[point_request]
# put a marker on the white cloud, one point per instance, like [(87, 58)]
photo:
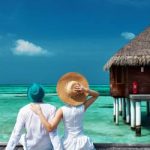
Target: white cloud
[(29, 49), (128, 35)]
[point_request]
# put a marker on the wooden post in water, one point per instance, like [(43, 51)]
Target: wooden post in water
[(127, 111), (114, 111), (124, 109), (117, 111), (148, 108), (132, 115), (120, 106), (138, 118)]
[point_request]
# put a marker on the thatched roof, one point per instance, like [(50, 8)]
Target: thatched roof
[(135, 53)]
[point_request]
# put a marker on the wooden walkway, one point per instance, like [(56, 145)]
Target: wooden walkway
[(102, 146), (130, 110)]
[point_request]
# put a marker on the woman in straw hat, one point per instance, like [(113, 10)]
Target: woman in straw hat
[(73, 90)]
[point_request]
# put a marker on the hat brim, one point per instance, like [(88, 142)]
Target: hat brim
[(62, 93)]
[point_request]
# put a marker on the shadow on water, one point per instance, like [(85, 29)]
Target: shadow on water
[(117, 135), (145, 121), (105, 106)]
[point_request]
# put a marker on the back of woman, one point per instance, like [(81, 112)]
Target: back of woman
[(73, 120), (74, 138)]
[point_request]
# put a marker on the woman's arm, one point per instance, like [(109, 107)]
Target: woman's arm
[(79, 88), (48, 125), (94, 95)]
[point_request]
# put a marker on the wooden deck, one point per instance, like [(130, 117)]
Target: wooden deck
[(139, 97), (102, 146)]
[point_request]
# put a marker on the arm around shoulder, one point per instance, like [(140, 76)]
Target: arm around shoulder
[(49, 125), (55, 121)]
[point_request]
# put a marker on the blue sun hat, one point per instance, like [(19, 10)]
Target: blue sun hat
[(36, 93)]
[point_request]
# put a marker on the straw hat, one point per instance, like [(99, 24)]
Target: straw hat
[(36, 93), (65, 89)]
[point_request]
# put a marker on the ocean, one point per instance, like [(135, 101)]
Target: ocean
[(98, 121)]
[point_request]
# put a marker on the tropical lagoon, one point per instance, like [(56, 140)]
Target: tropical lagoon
[(98, 121)]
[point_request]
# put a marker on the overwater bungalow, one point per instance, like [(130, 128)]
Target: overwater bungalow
[(130, 79), (131, 64)]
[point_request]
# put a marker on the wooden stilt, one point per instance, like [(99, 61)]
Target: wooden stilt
[(127, 111), (132, 115), (120, 106), (124, 109), (117, 111), (138, 118), (114, 111), (148, 108)]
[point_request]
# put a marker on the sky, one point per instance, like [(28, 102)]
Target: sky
[(40, 40)]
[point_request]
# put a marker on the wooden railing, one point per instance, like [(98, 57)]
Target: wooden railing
[(123, 90), (102, 146)]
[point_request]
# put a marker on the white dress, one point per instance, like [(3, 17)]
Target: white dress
[(74, 138)]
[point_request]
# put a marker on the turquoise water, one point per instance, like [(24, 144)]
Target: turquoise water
[(98, 121)]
